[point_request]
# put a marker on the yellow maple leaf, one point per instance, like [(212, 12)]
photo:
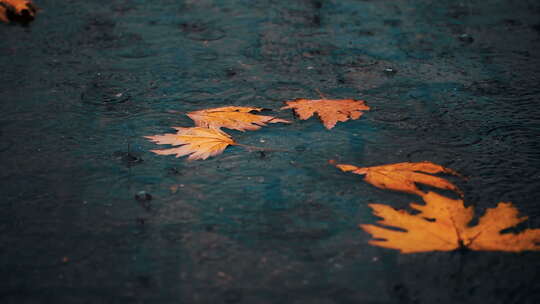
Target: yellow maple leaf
[(442, 225), (237, 118), (404, 176), (330, 110), (22, 11), (197, 142)]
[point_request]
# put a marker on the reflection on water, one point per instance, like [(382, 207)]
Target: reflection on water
[(453, 83)]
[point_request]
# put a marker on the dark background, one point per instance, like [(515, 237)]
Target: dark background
[(452, 82)]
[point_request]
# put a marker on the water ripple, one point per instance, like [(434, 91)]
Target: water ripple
[(202, 31)]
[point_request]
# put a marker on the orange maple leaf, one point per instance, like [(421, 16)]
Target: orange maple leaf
[(22, 11), (442, 225), (198, 143), (404, 176), (237, 118), (330, 110)]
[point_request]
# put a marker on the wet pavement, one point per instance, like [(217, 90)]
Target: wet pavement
[(89, 215)]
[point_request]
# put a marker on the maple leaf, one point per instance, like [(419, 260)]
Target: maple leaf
[(23, 11), (237, 118), (442, 225), (404, 176), (197, 142), (330, 110)]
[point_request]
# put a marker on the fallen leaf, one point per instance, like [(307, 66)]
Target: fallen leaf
[(404, 176), (237, 118), (22, 11), (197, 142), (442, 225), (330, 110), (3, 13)]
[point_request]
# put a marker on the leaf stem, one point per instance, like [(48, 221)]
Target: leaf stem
[(320, 94)]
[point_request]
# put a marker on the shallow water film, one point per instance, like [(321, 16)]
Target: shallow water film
[(89, 215)]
